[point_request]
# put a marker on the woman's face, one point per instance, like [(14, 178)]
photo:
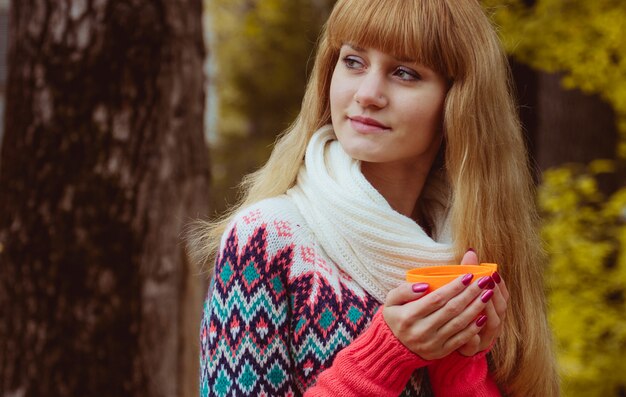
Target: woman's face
[(386, 110)]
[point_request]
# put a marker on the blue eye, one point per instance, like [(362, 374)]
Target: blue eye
[(407, 74)]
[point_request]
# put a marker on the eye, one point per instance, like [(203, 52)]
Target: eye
[(407, 74), (353, 62)]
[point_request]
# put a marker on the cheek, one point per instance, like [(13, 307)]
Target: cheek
[(332, 92), (439, 100), (340, 92), (332, 97), (430, 115)]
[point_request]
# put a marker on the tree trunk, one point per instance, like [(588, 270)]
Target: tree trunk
[(572, 126), (103, 163), (565, 126)]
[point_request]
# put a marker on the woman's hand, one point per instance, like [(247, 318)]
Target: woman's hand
[(441, 322), (495, 312)]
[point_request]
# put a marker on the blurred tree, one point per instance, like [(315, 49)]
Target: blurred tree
[(262, 48), (585, 235), (583, 41), (583, 45), (103, 162)]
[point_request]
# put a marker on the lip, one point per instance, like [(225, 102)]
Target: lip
[(366, 124)]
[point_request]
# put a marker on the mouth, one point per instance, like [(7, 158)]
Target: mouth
[(366, 124)]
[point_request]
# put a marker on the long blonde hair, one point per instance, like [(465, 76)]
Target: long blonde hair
[(485, 159)]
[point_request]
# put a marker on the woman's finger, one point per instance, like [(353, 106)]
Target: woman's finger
[(488, 334), (491, 329), (406, 292), (460, 303), (441, 297), (470, 258), (501, 285), (470, 312), (468, 336), (500, 297)]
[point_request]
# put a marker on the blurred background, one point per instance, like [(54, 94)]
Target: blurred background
[(122, 121)]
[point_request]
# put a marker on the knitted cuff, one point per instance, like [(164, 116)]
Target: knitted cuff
[(458, 375), (455, 364), (381, 357)]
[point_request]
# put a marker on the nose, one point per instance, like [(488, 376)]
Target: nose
[(370, 91)]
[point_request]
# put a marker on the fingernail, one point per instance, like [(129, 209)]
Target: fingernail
[(484, 281), (486, 295), (472, 250), (496, 277), (419, 287), (491, 285), (467, 279), (481, 320)]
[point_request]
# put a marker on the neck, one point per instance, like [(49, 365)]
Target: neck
[(400, 185)]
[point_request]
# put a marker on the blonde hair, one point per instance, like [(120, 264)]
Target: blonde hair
[(485, 159)]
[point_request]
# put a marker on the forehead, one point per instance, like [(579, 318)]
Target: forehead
[(398, 58), (409, 30)]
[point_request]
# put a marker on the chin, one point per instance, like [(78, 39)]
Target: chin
[(365, 156)]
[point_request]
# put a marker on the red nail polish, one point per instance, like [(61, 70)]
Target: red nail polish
[(486, 295), (491, 285), (467, 279), (472, 250), (481, 320), (484, 281), (420, 287), (496, 277)]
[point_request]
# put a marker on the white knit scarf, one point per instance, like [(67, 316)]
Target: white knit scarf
[(356, 226)]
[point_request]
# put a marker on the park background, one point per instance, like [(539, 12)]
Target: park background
[(124, 120)]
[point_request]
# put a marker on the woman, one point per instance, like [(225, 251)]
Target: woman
[(406, 152)]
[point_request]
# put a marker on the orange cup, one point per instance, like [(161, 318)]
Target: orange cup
[(438, 276)]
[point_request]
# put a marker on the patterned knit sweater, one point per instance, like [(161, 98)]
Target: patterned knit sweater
[(279, 311)]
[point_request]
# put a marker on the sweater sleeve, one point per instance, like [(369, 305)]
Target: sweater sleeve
[(378, 364), (460, 376), (374, 364), (245, 325)]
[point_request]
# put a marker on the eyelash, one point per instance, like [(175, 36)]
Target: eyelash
[(350, 61), (413, 75)]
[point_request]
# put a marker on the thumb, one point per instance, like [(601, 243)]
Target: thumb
[(470, 258)]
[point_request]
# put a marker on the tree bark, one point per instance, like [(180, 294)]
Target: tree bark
[(103, 163), (572, 126), (564, 126)]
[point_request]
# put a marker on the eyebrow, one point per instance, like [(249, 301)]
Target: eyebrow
[(360, 49)]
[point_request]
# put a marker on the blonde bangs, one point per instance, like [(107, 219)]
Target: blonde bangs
[(416, 30)]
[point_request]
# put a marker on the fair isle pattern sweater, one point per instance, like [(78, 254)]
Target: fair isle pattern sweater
[(279, 311)]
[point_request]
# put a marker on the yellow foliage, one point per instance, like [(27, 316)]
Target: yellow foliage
[(585, 236), (586, 40), (584, 231), (260, 50)]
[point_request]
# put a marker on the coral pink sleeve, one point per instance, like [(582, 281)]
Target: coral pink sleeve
[(460, 376), (374, 364), (378, 364)]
